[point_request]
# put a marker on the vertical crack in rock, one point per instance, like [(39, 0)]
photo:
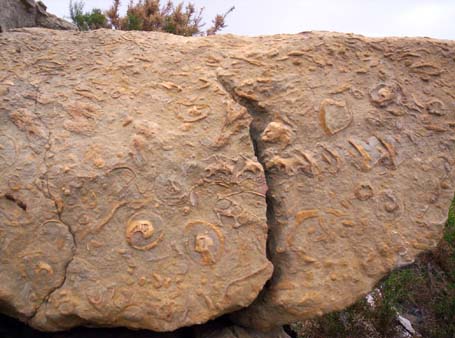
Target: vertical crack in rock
[(330, 237), (47, 194), (46, 299), (261, 118)]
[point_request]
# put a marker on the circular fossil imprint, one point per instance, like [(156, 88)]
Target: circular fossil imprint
[(205, 242), (142, 231), (436, 107), (389, 205), (335, 116), (364, 192), (384, 94)]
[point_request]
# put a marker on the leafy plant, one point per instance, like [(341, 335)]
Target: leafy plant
[(450, 231), (88, 20), (150, 15), (76, 10)]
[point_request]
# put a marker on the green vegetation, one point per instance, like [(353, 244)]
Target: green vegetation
[(450, 231), (423, 293), (148, 15), (88, 20)]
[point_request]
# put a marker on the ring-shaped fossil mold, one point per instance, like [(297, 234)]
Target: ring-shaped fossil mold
[(364, 192), (143, 231), (389, 205), (335, 116), (204, 242), (386, 93), (436, 107)]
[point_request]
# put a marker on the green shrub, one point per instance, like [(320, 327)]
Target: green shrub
[(132, 23), (148, 15), (449, 235), (88, 20)]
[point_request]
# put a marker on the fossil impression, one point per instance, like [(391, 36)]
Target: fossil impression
[(151, 180)]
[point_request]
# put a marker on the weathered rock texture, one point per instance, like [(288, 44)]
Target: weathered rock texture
[(357, 137), (28, 13), (121, 148), (132, 195)]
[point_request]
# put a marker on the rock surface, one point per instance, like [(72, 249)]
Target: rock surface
[(136, 151), (358, 140), (28, 13), (132, 148)]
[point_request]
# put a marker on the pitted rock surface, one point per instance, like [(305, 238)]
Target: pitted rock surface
[(357, 137), (136, 150), (126, 142)]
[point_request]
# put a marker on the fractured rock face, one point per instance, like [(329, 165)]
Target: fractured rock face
[(35, 245), (133, 148), (132, 196), (358, 140), (28, 13)]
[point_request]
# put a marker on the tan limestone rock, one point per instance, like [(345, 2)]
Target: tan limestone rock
[(129, 143), (140, 144), (357, 136)]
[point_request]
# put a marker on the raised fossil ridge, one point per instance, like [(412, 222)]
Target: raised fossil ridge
[(144, 174)]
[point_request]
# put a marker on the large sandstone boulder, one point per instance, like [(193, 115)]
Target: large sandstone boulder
[(357, 137), (132, 195), (28, 13)]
